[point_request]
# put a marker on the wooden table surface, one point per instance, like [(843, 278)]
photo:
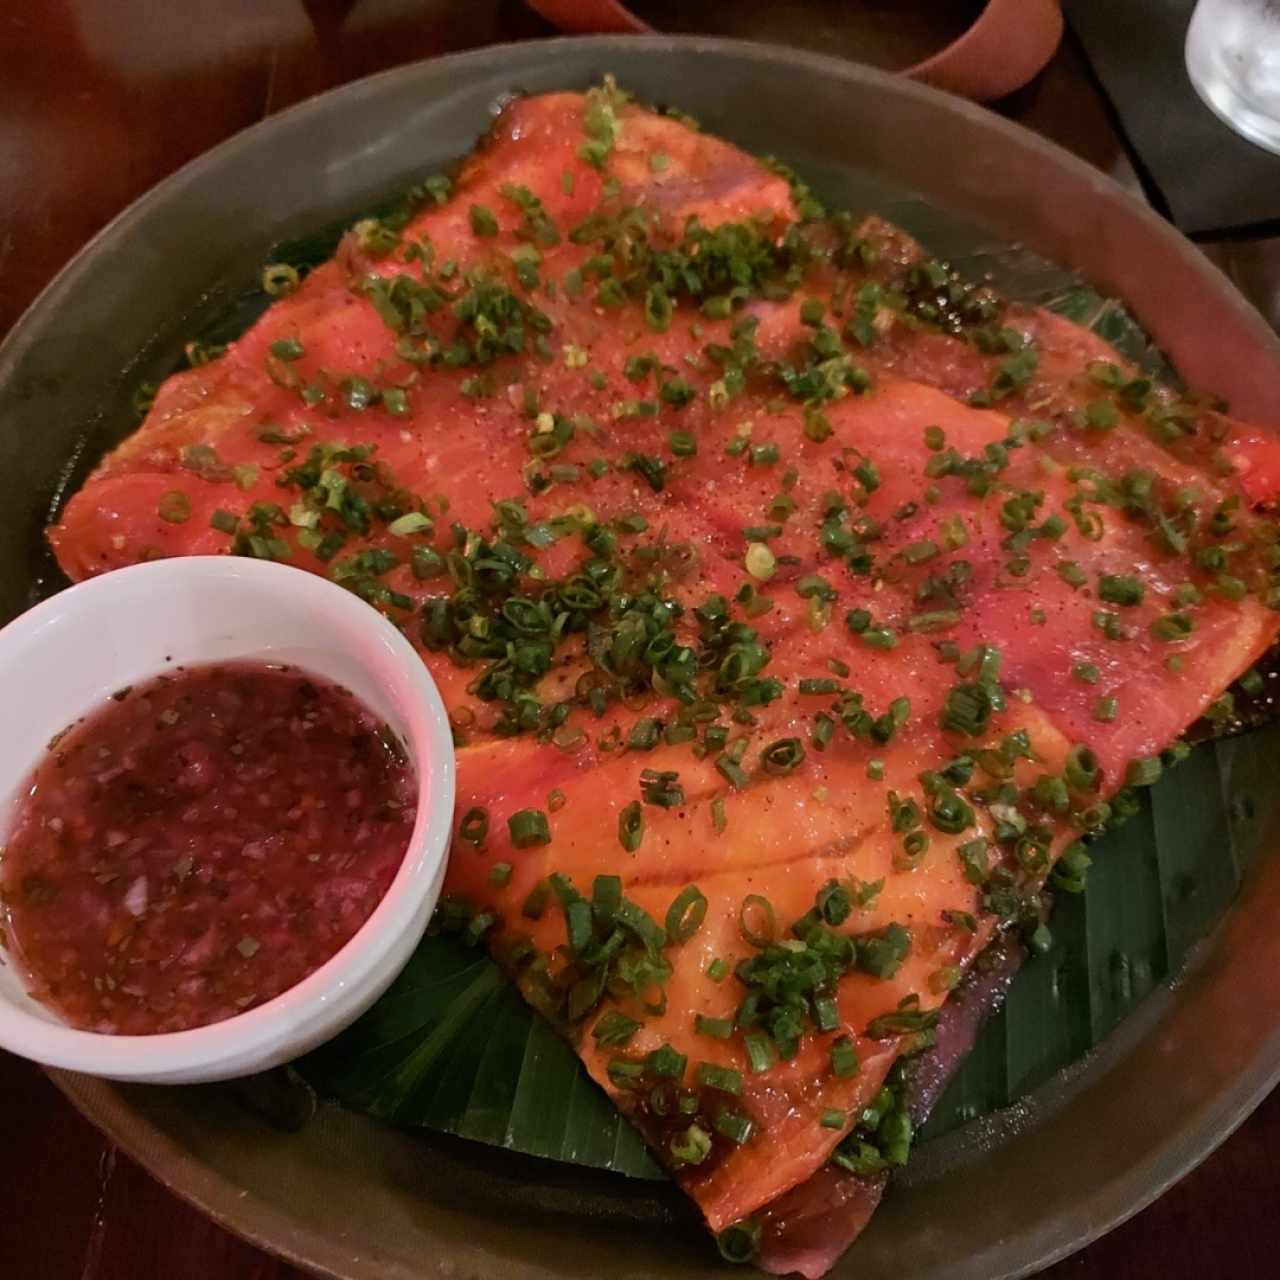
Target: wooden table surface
[(99, 99)]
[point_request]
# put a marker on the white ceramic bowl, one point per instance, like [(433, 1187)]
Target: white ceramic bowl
[(68, 654)]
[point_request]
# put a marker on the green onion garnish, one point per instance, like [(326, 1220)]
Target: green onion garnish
[(973, 857), (719, 819), (1143, 772), (1101, 415), (666, 1062), (1172, 627), (819, 684), (756, 920), (833, 902), (1081, 770), (826, 1013), (968, 709), (409, 523), (716, 1028), (536, 903), (761, 1053), (614, 1030), (631, 826), (279, 278), (732, 771), (733, 1125), (844, 1057), (881, 954), (726, 1079), (740, 1242), (643, 735), (880, 637), (474, 826), (867, 475), (624, 1074), (949, 812), (692, 1146), (528, 828), (174, 507), (783, 757), (483, 223), (287, 349), (1121, 589), (685, 914)]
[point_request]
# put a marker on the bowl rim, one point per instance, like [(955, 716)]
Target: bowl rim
[(352, 978), (1174, 1153)]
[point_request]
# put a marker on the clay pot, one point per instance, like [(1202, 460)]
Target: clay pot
[(1008, 44)]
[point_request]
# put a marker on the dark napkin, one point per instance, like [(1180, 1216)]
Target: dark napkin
[(1211, 179)]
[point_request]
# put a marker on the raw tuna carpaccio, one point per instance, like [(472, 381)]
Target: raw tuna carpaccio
[(796, 605)]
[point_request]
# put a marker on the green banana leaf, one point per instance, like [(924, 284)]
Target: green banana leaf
[(452, 1047)]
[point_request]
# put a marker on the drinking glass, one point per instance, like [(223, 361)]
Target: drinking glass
[(1233, 59)]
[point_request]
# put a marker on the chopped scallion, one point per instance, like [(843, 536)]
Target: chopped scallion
[(529, 827)]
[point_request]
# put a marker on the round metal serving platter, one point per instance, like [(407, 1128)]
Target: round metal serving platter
[(354, 1199)]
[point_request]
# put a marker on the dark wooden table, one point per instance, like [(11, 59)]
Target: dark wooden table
[(99, 99)]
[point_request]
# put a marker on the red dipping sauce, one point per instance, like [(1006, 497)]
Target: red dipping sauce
[(201, 844)]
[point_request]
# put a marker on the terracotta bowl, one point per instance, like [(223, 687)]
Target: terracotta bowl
[(1007, 44)]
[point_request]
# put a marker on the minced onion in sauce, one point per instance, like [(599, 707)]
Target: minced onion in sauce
[(201, 844)]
